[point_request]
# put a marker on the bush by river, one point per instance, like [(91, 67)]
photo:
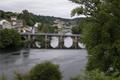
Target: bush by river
[(10, 40)]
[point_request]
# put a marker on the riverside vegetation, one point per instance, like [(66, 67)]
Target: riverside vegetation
[(101, 34), (10, 39)]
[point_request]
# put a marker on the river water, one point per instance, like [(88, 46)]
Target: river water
[(71, 62)]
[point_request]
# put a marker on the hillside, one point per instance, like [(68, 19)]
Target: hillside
[(30, 19)]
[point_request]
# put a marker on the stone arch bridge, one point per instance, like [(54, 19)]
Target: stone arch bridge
[(45, 40)]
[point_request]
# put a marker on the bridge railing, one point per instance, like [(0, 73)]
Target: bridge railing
[(49, 34)]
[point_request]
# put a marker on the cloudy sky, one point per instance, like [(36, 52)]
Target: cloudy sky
[(57, 8)]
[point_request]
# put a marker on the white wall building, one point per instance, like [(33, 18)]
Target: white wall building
[(5, 24)]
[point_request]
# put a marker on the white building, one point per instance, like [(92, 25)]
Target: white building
[(12, 24), (5, 24), (16, 23)]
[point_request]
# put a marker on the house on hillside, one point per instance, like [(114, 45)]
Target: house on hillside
[(16, 23), (62, 27), (58, 24), (35, 28), (28, 29), (13, 23), (5, 24), (32, 29)]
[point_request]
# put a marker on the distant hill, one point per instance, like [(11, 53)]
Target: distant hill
[(30, 19)]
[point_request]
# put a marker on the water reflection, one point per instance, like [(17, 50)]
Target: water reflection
[(68, 42), (81, 45), (54, 42)]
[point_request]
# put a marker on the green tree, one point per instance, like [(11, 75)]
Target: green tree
[(43, 71), (101, 33), (9, 39), (27, 18), (76, 29), (6, 15), (45, 28)]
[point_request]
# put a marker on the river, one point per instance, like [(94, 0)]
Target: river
[(71, 62)]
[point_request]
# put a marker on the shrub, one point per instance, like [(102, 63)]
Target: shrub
[(45, 71)]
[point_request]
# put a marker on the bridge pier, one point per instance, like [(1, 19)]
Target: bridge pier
[(46, 41), (29, 41), (60, 42), (76, 42)]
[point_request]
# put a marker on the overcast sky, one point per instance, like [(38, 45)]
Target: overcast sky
[(57, 8)]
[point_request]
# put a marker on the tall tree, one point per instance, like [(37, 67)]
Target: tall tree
[(27, 17), (10, 39), (101, 33)]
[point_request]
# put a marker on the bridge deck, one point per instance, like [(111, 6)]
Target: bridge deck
[(49, 34)]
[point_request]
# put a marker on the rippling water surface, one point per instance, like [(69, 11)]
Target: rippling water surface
[(72, 62)]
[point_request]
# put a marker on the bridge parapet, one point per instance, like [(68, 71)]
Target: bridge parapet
[(50, 34)]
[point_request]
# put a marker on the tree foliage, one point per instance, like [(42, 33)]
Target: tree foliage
[(27, 18), (101, 33), (77, 28), (6, 15), (43, 71), (95, 75), (45, 28), (9, 39)]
